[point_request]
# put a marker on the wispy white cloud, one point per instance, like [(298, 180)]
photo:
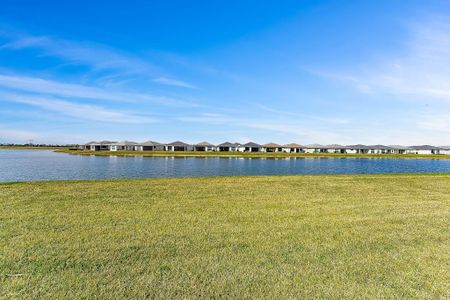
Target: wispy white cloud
[(8, 135), (98, 57), (208, 118), (422, 72), (174, 82), (78, 110), (362, 84), (199, 66), (429, 129), (436, 122), (330, 120), (61, 89), (305, 131)]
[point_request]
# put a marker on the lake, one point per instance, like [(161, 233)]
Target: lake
[(25, 165)]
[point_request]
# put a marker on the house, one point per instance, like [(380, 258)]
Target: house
[(271, 147), (149, 146), (123, 146), (445, 150), (87, 146), (227, 146), (424, 149), (179, 146), (380, 149), (204, 146), (397, 149), (250, 147), (93, 145), (84, 146), (335, 148), (99, 146), (315, 148), (292, 148), (358, 149)]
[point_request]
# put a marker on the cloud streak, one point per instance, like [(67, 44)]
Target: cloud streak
[(56, 88), (174, 82), (436, 122), (96, 56), (331, 120), (99, 58), (77, 110), (421, 73), (14, 135), (291, 128)]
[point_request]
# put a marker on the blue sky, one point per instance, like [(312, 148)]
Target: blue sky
[(301, 71)]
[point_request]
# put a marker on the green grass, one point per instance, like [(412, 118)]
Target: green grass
[(365, 236), (248, 154)]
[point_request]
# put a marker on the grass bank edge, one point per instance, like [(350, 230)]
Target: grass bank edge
[(248, 155), (219, 177)]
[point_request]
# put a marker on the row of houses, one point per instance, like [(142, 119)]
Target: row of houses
[(270, 147)]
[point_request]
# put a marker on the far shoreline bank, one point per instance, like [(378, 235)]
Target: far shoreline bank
[(246, 155)]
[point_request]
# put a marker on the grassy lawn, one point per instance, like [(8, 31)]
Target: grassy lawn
[(366, 236)]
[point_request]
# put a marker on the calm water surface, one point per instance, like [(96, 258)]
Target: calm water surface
[(24, 165)]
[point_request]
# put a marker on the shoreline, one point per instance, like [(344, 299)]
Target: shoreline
[(119, 180), (230, 177), (248, 154), (31, 148)]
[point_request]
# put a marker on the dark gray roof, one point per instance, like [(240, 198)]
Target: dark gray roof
[(399, 147), (271, 145), (380, 147), (228, 144), (204, 144), (335, 146), (424, 147), (150, 143), (359, 146), (101, 143), (315, 146), (292, 145), (252, 145), (445, 147), (125, 143), (178, 144)]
